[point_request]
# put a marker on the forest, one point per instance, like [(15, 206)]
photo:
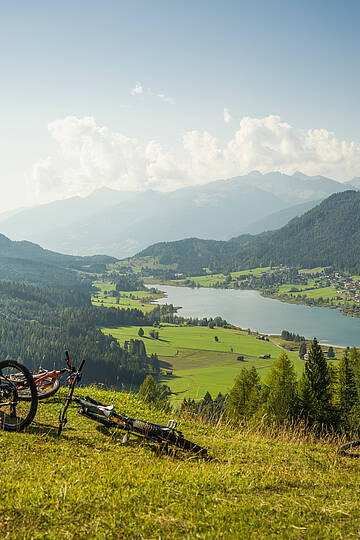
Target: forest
[(38, 323)]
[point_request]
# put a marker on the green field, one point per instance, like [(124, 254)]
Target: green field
[(310, 290), (129, 299), (201, 364), (212, 279), (87, 484)]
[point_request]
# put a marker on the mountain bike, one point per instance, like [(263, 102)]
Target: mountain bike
[(47, 381), (107, 416), (345, 449), (15, 412), (156, 433)]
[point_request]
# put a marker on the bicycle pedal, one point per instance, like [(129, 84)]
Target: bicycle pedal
[(125, 438)]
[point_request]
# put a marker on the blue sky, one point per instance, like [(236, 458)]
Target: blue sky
[(294, 61)]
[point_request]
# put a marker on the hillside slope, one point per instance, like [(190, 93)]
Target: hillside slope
[(328, 234), (25, 261), (88, 483)]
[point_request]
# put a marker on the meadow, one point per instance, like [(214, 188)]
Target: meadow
[(259, 482), (210, 280), (127, 299), (198, 362)]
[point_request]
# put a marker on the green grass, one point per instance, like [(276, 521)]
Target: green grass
[(88, 485), (315, 292), (212, 279), (139, 300), (201, 364)]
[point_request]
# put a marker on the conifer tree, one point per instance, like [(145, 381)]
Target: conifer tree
[(354, 358), (302, 349), (281, 389), (153, 394), (314, 388), (244, 397), (345, 387)]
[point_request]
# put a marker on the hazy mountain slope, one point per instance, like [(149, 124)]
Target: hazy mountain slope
[(122, 223), (293, 189), (354, 183), (36, 222), (279, 219), (25, 261), (328, 234)]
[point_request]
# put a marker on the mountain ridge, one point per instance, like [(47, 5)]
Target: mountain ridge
[(326, 235), (121, 223)]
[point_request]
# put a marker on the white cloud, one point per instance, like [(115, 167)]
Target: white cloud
[(90, 156), (227, 116), (138, 89), (167, 99)]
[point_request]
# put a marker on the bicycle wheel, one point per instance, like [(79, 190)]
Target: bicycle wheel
[(344, 449), (45, 389), (167, 436), (15, 413)]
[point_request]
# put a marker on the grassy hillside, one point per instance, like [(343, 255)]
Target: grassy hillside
[(88, 485)]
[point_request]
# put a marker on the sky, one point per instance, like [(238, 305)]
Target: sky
[(163, 94)]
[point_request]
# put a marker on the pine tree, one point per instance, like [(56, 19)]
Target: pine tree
[(244, 397), (314, 388), (302, 349), (153, 394), (281, 389), (345, 387)]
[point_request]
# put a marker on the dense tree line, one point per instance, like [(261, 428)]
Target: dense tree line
[(291, 336), (37, 324)]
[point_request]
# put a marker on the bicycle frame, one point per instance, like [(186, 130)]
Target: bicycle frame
[(75, 377), (46, 374)]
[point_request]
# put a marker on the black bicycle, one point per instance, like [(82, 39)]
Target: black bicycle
[(155, 433), (106, 415), (74, 378), (15, 412), (346, 449)]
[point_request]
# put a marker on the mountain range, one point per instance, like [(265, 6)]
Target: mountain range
[(326, 235), (121, 223)]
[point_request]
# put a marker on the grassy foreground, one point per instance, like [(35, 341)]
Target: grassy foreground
[(89, 485)]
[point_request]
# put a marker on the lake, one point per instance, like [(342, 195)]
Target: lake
[(248, 309)]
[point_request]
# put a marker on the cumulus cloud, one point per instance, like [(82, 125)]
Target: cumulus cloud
[(90, 156), (138, 89), (227, 116)]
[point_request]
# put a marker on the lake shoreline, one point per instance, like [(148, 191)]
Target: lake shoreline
[(244, 308)]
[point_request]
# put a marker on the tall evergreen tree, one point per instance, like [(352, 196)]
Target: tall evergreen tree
[(244, 397), (345, 387), (281, 389), (302, 349), (314, 388)]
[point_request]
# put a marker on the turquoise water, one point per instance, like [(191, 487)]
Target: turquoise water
[(248, 309)]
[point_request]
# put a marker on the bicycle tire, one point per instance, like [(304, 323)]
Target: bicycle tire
[(343, 449), (17, 416), (167, 436), (42, 393)]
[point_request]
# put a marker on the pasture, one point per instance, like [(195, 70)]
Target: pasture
[(198, 362)]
